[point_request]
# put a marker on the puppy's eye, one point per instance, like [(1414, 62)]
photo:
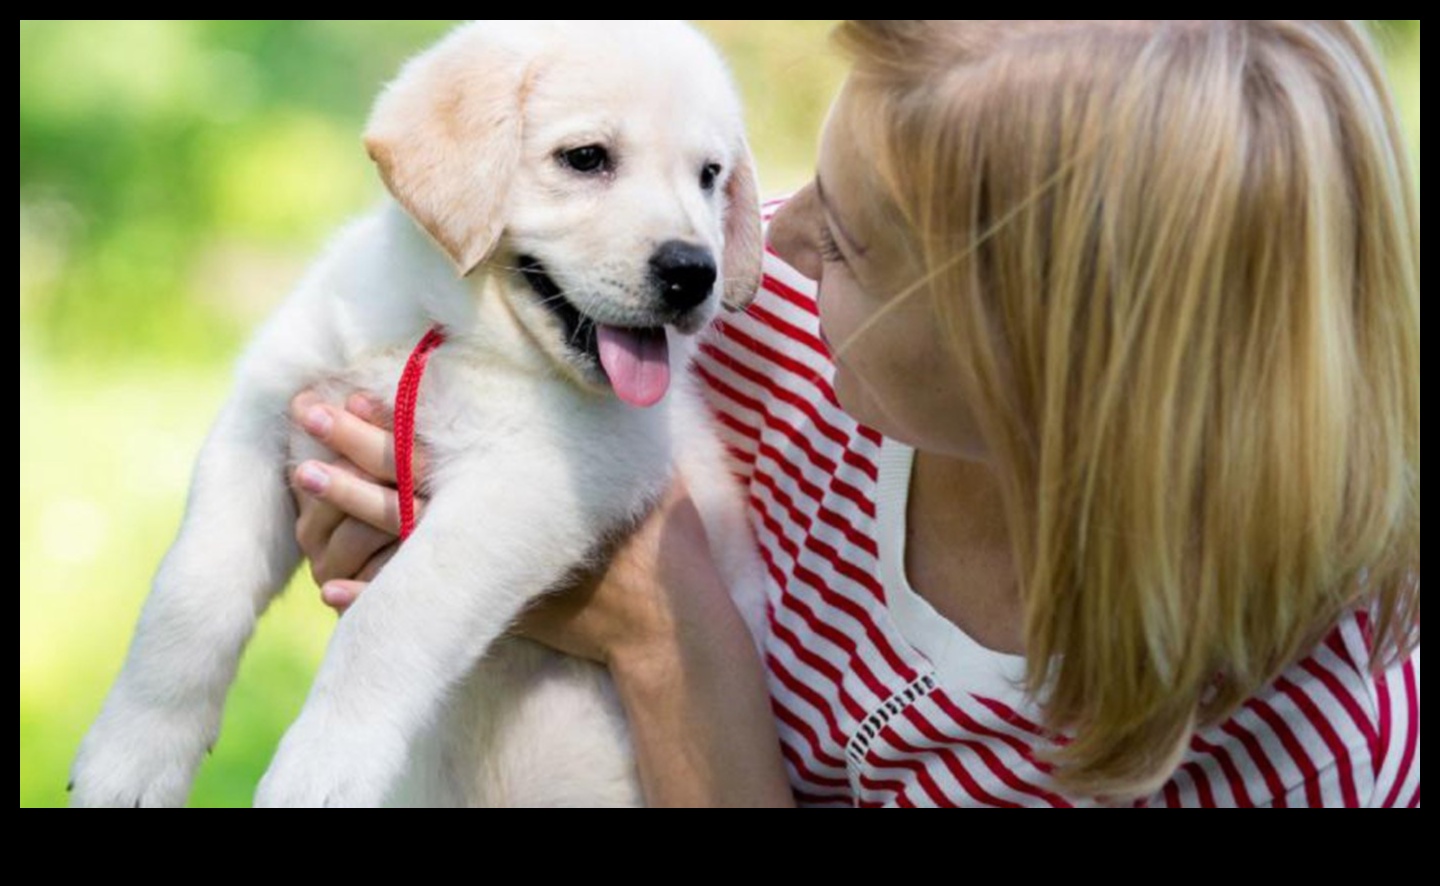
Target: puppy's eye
[(708, 174), (586, 158)]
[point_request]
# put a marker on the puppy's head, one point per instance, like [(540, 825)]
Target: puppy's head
[(601, 166)]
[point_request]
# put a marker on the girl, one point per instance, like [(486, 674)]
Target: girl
[(1086, 471)]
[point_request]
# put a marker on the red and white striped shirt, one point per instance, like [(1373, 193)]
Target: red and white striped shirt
[(881, 701)]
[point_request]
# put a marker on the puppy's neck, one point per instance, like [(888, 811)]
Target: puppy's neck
[(479, 317), (474, 310)]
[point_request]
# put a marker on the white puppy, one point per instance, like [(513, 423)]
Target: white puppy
[(591, 185)]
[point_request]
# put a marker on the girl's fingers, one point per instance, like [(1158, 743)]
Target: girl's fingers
[(374, 564), (360, 497), (316, 522), (341, 593), (359, 432), (347, 435), (352, 547)]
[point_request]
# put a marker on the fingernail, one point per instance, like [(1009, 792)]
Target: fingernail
[(318, 421), (364, 405), (335, 594), (312, 478), (303, 401)]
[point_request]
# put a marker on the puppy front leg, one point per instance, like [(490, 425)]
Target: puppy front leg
[(235, 549), (484, 549)]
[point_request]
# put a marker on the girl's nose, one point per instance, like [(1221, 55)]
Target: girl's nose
[(794, 230)]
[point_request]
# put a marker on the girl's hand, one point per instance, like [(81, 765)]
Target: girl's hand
[(350, 519), (349, 510), (656, 613)]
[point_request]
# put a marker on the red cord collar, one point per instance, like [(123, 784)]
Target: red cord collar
[(405, 398)]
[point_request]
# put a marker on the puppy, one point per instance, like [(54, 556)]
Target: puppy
[(573, 201)]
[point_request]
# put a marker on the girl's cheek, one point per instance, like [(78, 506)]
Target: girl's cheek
[(830, 331)]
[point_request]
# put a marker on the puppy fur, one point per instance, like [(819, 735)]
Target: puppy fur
[(534, 463)]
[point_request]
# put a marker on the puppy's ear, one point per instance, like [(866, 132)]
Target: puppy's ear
[(744, 244), (446, 138)]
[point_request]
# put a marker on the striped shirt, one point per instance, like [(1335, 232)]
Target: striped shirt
[(881, 701)]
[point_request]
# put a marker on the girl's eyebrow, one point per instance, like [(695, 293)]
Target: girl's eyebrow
[(825, 205)]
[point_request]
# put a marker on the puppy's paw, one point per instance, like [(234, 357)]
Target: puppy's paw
[(317, 767), (138, 758)]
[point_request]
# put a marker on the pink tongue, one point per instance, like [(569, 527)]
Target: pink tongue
[(637, 362)]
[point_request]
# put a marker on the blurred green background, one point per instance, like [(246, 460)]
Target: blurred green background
[(175, 179)]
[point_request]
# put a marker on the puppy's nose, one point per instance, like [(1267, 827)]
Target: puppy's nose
[(685, 273)]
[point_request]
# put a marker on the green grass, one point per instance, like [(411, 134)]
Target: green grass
[(105, 463)]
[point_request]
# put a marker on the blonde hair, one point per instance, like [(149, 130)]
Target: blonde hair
[(1179, 263)]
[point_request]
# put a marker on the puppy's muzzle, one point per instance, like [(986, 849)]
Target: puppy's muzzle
[(684, 273)]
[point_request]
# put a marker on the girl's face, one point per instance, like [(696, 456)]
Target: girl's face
[(893, 370)]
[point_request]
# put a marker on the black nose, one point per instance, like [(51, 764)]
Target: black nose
[(684, 272)]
